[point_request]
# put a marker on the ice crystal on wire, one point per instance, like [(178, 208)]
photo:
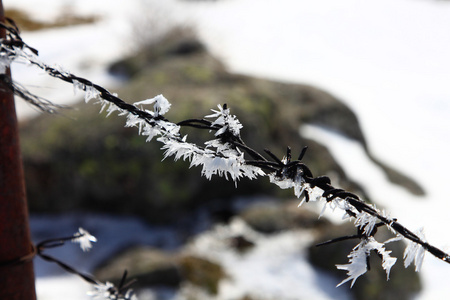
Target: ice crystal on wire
[(225, 120), (286, 182), (160, 107), (150, 132), (112, 108), (337, 202), (217, 158), (84, 238), (415, 252), (366, 222), (91, 93), (134, 120), (178, 149), (101, 290), (358, 259), (233, 165), (107, 291), (224, 161), (169, 129), (77, 86), (357, 265)]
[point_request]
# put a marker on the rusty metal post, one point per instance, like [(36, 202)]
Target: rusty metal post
[(16, 280)]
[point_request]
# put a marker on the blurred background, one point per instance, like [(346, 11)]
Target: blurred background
[(363, 84)]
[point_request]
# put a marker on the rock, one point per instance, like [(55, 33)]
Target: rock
[(273, 217), (155, 268), (202, 272), (241, 243), (83, 161), (150, 266), (179, 41)]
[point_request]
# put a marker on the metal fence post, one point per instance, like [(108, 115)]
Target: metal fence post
[(17, 279)]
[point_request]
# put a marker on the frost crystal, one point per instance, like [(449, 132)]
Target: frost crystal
[(112, 108), (358, 259), (150, 132), (366, 222), (285, 182), (222, 161), (84, 238), (178, 149), (91, 93), (225, 120), (107, 291), (160, 107), (77, 86), (102, 290), (415, 252), (357, 265)]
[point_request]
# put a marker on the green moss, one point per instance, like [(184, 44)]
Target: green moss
[(89, 168), (159, 78), (202, 272), (198, 74)]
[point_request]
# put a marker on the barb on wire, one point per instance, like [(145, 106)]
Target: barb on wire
[(225, 155), (84, 238)]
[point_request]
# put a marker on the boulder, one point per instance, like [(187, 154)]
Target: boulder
[(273, 217), (153, 267), (82, 161)]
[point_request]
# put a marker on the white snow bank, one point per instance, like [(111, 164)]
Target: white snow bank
[(411, 211)]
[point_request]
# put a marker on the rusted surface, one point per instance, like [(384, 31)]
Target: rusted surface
[(16, 281)]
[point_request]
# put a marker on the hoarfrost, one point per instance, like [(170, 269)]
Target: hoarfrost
[(84, 238), (160, 107), (415, 252), (358, 259)]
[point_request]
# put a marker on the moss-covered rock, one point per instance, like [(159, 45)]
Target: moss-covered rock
[(147, 265), (83, 161), (152, 267), (202, 272), (275, 217)]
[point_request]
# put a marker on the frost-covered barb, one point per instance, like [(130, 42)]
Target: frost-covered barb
[(227, 155), (100, 290), (108, 291), (359, 258), (225, 121), (84, 238)]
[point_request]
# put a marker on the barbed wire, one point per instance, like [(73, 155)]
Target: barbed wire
[(106, 290), (225, 155)]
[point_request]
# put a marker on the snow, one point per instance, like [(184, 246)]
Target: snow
[(412, 211), (253, 271), (286, 275), (113, 234), (51, 288), (387, 59)]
